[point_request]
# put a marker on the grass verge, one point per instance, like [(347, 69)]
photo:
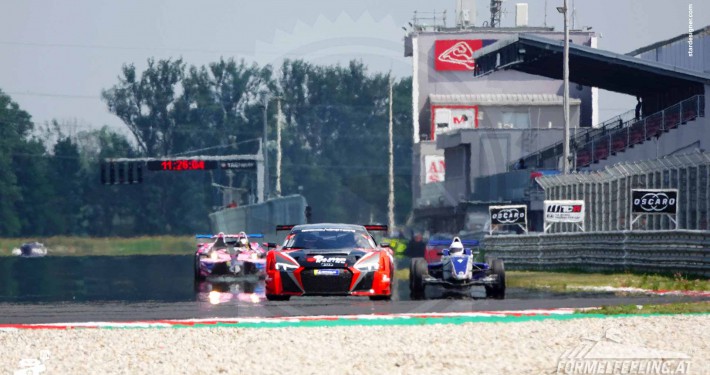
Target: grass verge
[(567, 281), (81, 246), (670, 308)]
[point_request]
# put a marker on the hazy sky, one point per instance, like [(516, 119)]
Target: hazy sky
[(57, 56)]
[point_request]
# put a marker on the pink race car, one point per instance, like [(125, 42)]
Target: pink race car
[(228, 255)]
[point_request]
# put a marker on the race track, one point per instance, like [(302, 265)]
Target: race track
[(85, 289)]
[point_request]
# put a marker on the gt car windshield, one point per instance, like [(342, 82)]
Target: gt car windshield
[(329, 239)]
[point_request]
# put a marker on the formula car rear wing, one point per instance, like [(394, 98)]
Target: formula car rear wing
[(469, 243)]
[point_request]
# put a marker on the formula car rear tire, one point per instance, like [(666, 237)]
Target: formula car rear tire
[(497, 291), (276, 297), (418, 268), (250, 269)]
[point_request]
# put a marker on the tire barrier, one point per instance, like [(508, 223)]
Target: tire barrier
[(680, 251)]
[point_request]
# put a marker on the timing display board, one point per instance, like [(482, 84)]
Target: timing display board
[(181, 165)]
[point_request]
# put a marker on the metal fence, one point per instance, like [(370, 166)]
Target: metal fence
[(591, 145), (685, 251), (607, 192)]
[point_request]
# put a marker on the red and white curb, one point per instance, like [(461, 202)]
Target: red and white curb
[(293, 320)]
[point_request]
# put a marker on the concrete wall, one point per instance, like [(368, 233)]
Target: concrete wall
[(418, 172), (489, 152)]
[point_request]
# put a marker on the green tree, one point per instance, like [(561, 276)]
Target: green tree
[(15, 128), (32, 169), (147, 104), (336, 139), (66, 177)]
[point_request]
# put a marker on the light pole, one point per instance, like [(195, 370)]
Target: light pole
[(565, 90), (278, 148), (263, 150), (267, 190)]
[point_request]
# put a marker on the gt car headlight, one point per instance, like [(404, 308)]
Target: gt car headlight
[(368, 264), (214, 255), (283, 262)]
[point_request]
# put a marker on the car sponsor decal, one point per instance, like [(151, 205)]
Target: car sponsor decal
[(335, 272), (323, 259)]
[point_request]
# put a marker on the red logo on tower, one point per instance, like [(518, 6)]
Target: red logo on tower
[(455, 54)]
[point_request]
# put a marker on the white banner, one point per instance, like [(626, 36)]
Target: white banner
[(454, 118), (435, 168), (564, 211)]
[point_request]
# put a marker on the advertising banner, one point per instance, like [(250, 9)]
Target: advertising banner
[(508, 215), (454, 117), (435, 168), (457, 54), (565, 211), (654, 201)]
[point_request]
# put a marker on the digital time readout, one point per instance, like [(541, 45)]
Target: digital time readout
[(181, 165)]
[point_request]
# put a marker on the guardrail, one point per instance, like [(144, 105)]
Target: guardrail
[(685, 251)]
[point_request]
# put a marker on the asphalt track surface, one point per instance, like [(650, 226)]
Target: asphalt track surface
[(115, 289)]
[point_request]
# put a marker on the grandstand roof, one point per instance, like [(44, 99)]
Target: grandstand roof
[(588, 66), (705, 31)]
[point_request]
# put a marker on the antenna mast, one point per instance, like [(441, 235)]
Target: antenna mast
[(496, 9)]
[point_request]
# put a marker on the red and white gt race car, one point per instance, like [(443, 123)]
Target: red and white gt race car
[(228, 255), (330, 259)]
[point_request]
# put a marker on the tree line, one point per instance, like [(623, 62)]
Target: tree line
[(334, 147)]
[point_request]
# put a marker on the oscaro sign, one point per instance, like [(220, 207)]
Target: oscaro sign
[(507, 214), (654, 201)]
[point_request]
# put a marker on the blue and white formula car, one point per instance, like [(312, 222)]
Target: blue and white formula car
[(458, 270)]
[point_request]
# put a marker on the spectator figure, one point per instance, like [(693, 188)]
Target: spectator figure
[(520, 164), (638, 108), (416, 247)]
